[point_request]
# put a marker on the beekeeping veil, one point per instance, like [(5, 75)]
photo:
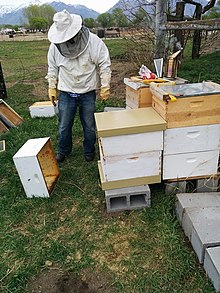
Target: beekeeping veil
[(68, 34)]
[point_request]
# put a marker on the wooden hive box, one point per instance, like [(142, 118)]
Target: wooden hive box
[(3, 127), (130, 144), (37, 167), (187, 104), (8, 115)]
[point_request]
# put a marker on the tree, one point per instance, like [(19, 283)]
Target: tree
[(38, 23), (89, 22), (44, 11), (120, 18), (214, 12), (106, 20)]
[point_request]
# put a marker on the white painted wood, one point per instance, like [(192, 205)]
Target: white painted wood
[(190, 164), (31, 176), (42, 109), (131, 166), (191, 139), (131, 143), (29, 169)]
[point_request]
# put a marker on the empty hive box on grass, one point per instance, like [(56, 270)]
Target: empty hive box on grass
[(8, 116), (37, 167), (42, 109), (130, 144), (187, 104)]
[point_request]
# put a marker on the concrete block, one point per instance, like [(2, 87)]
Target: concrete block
[(109, 109), (212, 265), (128, 198), (175, 187), (200, 200), (206, 230), (207, 185)]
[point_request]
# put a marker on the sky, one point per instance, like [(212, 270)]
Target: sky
[(100, 6)]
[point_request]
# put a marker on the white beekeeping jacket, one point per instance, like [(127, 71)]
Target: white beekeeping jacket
[(82, 74)]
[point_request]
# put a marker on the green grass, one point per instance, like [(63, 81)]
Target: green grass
[(142, 250)]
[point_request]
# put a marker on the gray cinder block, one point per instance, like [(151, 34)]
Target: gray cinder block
[(206, 230), (212, 265), (109, 109), (128, 198), (207, 185), (200, 200), (175, 187)]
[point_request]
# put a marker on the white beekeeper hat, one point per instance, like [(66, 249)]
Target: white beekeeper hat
[(65, 27)]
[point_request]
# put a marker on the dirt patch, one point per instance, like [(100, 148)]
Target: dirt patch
[(56, 281)]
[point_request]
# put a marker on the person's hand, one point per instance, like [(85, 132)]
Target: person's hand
[(52, 93), (104, 93)]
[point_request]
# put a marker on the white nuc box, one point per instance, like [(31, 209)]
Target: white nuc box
[(37, 167), (43, 109)]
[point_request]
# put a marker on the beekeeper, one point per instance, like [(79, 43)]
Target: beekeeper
[(78, 65)]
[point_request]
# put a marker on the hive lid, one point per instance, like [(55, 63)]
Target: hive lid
[(128, 122), (192, 89)]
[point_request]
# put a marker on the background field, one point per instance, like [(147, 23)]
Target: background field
[(69, 240)]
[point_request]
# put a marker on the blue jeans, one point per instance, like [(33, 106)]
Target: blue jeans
[(67, 107)]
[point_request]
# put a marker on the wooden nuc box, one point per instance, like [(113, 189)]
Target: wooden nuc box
[(37, 167)]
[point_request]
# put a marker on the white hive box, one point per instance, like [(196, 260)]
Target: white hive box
[(42, 109), (194, 151), (130, 144), (37, 167)]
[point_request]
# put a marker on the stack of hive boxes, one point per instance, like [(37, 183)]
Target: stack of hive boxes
[(191, 140), (130, 146)]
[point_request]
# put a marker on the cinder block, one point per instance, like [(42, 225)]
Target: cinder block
[(110, 109), (212, 265), (206, 231), (200, 200), (128, 198), (207, 185), (175, 187)]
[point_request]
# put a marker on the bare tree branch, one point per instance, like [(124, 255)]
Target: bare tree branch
[(208, 6)]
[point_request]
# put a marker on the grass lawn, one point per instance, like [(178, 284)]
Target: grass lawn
[(138, 251)]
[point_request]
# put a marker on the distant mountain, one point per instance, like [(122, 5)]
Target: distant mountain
[(11, 15)]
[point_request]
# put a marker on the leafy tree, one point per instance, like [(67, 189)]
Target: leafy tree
[(120, 18), (89, 22), (38, 23), (44, 11), (106, 19)]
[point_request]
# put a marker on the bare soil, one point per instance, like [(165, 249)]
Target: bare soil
[(57, 281)]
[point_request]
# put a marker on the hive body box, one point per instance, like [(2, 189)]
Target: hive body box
[(8, 117), (194, 151), (42, 109), (37, 167), (130, 144), (196, 104)]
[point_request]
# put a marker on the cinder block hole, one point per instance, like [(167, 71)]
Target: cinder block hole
[(118, 202), (137, 200)]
